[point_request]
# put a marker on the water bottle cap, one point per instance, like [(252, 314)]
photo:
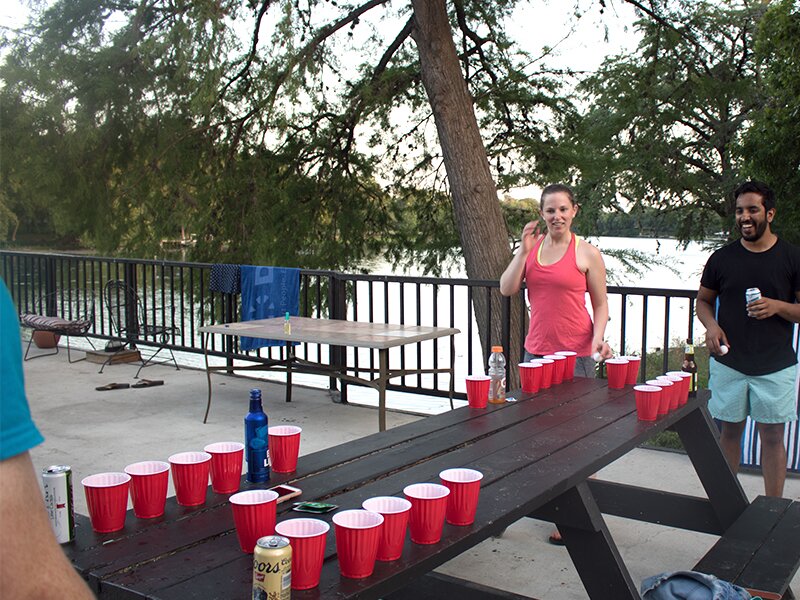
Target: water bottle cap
[(255, 393), (497, 348)]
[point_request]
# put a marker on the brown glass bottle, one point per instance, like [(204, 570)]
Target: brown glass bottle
[(690, 366)]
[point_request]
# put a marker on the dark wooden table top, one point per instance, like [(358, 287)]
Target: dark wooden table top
[(532, 452)]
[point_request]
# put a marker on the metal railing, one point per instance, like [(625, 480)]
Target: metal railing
[(176, 294)]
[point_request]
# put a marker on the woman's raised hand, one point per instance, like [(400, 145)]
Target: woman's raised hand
[(530, 236)]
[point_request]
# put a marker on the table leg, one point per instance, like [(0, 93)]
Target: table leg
[(208, 375), (698, 435), (383, 380), (589, 543), (289, 359)]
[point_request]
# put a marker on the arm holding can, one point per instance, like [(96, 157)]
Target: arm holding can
[(32, 564), (764, 308)]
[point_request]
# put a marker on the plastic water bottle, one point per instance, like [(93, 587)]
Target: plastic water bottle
[(287, 324), (497, 373), (256, 440)]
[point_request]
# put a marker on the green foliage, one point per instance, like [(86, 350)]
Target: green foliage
[(772, 144), (128, 123), (664, 125)]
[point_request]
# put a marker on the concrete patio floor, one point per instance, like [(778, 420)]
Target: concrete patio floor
[(96, 431)]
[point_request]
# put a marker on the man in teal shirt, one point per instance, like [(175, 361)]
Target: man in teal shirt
[(32, 564)]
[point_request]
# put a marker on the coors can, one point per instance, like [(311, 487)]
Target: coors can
[(57, 483), (272, 569)]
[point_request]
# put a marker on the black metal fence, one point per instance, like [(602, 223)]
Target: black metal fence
[(176, 294)]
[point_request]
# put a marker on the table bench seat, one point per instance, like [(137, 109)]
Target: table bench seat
[(759, 552)]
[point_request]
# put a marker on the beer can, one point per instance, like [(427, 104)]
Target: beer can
[(272, 569), (57, 483), (751, 295)]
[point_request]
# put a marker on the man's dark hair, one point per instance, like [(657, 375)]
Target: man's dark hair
[(760, 188), (555, 188)]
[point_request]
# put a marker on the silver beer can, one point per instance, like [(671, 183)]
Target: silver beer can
[(57, 483), (751, 295)]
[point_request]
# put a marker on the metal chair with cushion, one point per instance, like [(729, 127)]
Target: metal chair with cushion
[(129, 321), (39, 320)]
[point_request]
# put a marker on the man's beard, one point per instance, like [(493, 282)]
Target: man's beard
[(758, 230)]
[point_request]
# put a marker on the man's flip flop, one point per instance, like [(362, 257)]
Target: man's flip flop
[(113, 386), (143, 383)]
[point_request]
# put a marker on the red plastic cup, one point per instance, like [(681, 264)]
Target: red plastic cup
[(107, 500), (569, 369), (559, 367), (254, 514), (465, 487), (395, 513), (190, 476), (149, 481), (686, 383), (530, 375), (284, 447), (226, 466), (307, 537), (358, 533), (667, 393), (677, 390), (647, 400), (617, 371), (478, 390), (547, 371), (428, 507), (633, 369)]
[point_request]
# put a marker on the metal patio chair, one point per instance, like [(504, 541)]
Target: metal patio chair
[(40, 320), (128, 320)]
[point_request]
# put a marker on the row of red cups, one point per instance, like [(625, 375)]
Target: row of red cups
[(657, 397), (375, 532), (539, 373), (147, 481)]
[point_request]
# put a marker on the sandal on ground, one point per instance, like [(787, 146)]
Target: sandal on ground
[(113, 386), (143, 383), (555, 539)]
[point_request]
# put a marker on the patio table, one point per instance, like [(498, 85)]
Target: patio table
[(334, 332), (536, 454)]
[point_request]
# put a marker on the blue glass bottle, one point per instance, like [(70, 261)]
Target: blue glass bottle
[(256, 440)]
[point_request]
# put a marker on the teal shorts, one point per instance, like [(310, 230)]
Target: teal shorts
[(770, 398)]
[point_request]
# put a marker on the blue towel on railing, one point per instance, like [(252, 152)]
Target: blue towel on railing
[(268, 292), (225, 278)]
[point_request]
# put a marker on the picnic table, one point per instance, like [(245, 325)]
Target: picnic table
[(334, 332), (536, 454)]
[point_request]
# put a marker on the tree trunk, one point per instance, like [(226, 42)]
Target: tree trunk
[(484, 237)]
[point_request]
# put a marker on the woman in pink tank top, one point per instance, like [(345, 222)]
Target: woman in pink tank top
[(559, 269)]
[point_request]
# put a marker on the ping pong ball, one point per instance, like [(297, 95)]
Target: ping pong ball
[(723, 349), (596, 357)]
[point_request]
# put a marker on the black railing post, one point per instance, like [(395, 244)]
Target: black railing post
[(229, 341), (337, 309), (50, 299), (505, 327), (131, 307)]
